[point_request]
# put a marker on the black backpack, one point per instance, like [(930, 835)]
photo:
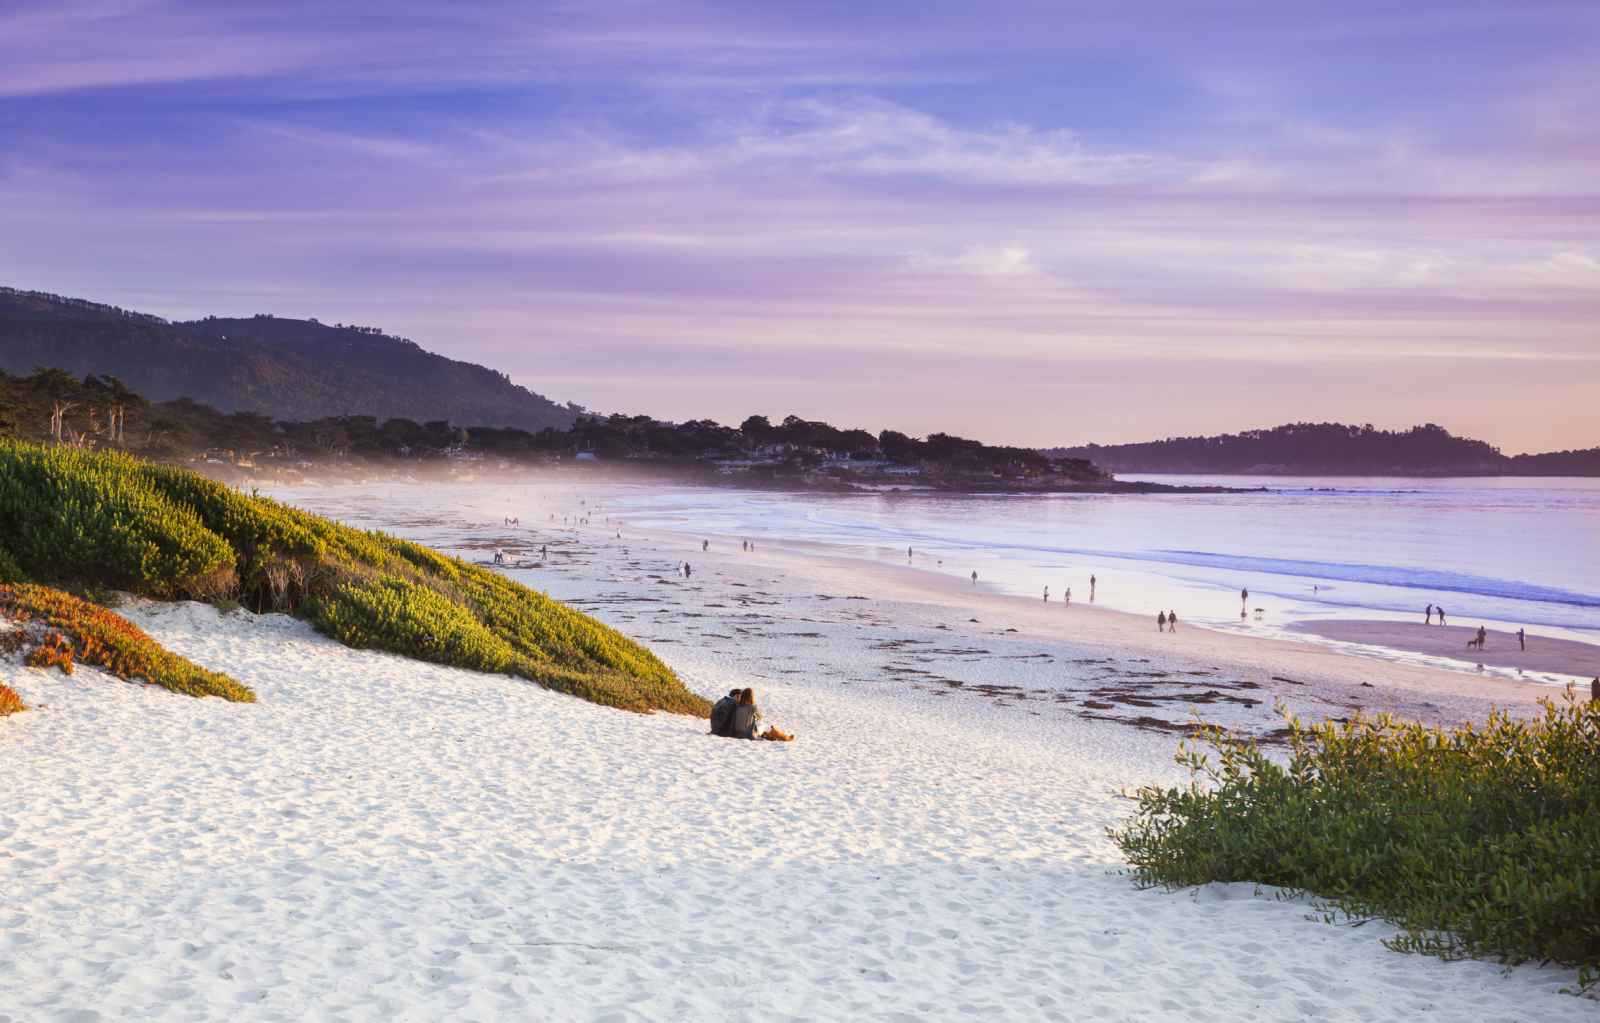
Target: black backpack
[(722, 716)]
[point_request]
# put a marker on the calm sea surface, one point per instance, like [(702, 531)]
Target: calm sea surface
[(1523, 552)]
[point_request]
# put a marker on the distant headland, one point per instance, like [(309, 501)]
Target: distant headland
[(1332, 449)]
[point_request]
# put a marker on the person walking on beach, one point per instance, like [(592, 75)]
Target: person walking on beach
[(1483, 634), (1066, 598), (1172, 621), (1161, 621), (746, 718), (1440, 612), (1522, 638), (722, 713), (1428, 611), (1091, 589), (1047, 594), (544, 551), (908, 553), (1244, 602), (974, 578), (687, 571)]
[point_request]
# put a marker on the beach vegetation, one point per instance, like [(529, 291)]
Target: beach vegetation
[(63, 630), (10, 702), (84, 518), (1478, 841)]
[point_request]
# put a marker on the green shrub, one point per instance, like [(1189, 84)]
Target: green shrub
[(10, 571), (90, 634), (112, 520), (1476, 842)]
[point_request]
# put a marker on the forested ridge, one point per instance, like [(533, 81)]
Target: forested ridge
[(280, 368), (1325, 449)]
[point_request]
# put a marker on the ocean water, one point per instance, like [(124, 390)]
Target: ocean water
[(1504, 552)]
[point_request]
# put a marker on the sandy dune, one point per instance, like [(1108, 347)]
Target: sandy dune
[(379, 839)]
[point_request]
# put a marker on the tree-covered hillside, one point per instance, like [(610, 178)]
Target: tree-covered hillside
[(279, 368)]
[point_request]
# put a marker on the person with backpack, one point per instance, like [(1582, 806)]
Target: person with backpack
[(722, 713)]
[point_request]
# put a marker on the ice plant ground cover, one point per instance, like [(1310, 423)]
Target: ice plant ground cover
[(92, 519)]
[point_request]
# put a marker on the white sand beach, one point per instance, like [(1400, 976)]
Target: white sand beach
[(380, 839)]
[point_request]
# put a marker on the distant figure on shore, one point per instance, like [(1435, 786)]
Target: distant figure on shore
[(1047, 594), (1522, 638), (908, 553), (722, 713), (974, 578), (1161, 621), (1244, 602), (544, 551), (499, 556), (687, 571), (1172, 621), (746, 718), (1440, 612), (1091, 589), (1483, 635), (1428, 611), (705, 545), (1066, 598)]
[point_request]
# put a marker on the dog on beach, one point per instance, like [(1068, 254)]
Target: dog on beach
[(777, 734), (1475, 642)]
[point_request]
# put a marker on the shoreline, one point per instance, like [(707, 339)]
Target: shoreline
[(1082, 622), (1545, 654)]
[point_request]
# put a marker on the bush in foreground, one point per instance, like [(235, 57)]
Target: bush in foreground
[(107, 519), (10, 702), (75, 630), (1478, 842)]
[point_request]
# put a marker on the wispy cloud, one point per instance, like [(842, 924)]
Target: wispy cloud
[(719, 188)]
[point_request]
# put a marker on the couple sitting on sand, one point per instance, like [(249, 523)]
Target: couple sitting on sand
[(735, 717)]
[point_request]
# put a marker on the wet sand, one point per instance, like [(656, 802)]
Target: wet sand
[(1559, 656)]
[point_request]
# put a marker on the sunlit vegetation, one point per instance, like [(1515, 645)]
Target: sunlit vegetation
[(10, 702), (62, 630), (77, 518), (1475, 842)]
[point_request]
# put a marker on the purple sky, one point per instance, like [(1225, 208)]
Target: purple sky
[(1033, 223)]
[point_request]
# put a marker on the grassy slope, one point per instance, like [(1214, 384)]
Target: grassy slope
[(108, 519)]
